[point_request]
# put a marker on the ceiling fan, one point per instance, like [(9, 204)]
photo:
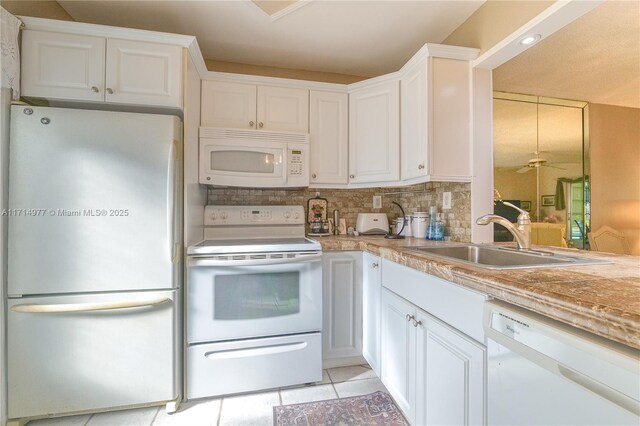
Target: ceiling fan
[(535, 163)]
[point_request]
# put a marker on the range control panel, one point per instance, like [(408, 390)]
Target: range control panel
[(253, 215)]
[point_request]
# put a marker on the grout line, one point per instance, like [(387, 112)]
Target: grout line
[(155, 416), (335, 390), (280, 396), (88, 420), (220, 412)]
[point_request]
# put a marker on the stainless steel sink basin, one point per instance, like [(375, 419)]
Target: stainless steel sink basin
[(504, 258)]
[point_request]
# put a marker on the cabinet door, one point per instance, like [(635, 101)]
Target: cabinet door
[(143, 73), (62, 66), (342, 304), (413, 140), (283, 109), (374, 133), (328, 128), (449, 376), (228, 105), (398, 351), (372, 305)]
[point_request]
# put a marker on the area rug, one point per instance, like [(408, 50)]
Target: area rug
[(374, 409)]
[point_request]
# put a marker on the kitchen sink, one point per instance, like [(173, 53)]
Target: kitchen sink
[(503, 257)]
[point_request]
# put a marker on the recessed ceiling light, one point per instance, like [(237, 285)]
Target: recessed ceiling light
[(530, 39)]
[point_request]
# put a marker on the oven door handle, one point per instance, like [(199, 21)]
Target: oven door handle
[(207, 261)]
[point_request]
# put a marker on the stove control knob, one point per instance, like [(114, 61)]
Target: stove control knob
[(287, 214), (213, 216), (223, 215), (296, 215)]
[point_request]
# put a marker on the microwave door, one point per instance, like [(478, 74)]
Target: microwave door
[(236, 164)]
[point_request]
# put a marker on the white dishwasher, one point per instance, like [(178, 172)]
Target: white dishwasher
[(543, 372)]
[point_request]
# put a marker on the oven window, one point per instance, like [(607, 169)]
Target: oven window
[(243, 161), (252, 296)]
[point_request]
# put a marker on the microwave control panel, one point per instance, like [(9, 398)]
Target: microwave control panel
[(296, 162), (297, 165)]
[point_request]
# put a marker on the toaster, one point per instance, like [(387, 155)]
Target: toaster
[(372, 224)]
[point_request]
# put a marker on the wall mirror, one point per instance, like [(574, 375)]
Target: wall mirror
[(541, 163)]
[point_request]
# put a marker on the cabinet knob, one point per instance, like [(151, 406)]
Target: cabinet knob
[(416, 323), (110, 90), (409, 317), (420, 166), (94, 89), (260, 124), (352, 176), (374, 265), (251, 124), (313, 175)]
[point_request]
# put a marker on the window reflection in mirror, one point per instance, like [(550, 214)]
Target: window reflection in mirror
[(541, 164)]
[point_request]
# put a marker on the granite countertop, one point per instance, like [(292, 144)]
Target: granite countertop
[(601, 299)]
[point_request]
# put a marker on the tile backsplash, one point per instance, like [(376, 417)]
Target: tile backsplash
[(350, 202)]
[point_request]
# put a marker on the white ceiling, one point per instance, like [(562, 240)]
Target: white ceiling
[(595, 59), (365, 38)]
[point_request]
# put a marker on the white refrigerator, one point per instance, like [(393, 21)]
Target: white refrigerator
[(94, 261)]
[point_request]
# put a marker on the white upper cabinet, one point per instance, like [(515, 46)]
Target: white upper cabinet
[(329, 132), (247, 106), (143, 73), (62, 66), (374, 133), (436, 120), (228, 105), (283, 109), (87, 68)]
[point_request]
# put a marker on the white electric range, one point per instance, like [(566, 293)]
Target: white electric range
[(254, 302)]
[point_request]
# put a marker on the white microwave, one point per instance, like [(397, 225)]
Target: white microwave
[(253, 158)]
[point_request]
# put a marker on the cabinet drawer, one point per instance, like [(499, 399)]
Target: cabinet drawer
[(250, 365), (455, 305)]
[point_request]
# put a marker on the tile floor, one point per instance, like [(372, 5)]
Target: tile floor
[(248, 409)]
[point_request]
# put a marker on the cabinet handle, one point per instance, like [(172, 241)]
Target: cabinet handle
[(409, 317), (374, 265), (110, 90), (420, 166), (94, 89), (260, 124), (352, 176), (251, 124), (416, 323), (313, 175)]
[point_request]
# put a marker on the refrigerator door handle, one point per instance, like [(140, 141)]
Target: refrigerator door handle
[(172, 200), (88, 307)]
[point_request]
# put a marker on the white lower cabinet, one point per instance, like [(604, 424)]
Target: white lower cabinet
[(449, 375), (398, 361), (434, 371), (342, 308), (371, 310)]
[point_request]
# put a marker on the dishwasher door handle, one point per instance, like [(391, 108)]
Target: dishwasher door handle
[(598, 388), (88, 307)]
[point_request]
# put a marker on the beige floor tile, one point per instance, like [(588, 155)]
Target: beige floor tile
[(62, 421), (359, 387), (193, 413), (355, 372), (307, 394), (135, 417), (252, 409)]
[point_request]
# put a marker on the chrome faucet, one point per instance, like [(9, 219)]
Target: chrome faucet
[(521, 232)]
